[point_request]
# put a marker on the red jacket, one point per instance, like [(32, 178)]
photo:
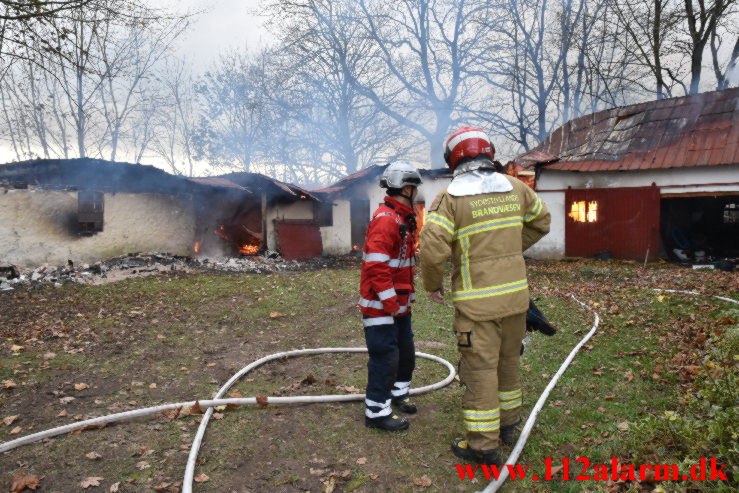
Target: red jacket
[(388, 264)]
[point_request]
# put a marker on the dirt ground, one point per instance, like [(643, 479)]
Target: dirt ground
[(84, 351)]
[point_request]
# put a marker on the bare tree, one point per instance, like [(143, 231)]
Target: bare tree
[(703, 18), (175, 122), (234, 118), (427, 69), (339, 129)]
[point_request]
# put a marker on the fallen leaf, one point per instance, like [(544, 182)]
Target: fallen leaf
[(609, 397), (211, 365), (48, 356), (152, 385), (15, 348), (93, 455), (8, 420), (317, 472), (235, 394), (162, 486), (345, 475), (556, 469), (202, 478), (8, 384), (81, 386), (217, 415), (141, 465), (629, 376), (362, 460), (309, 380), (558, 403), (262, 401), (171, 413), (91, 481), (16, 430), (196, 408), (114, 487), (63, 413), (160, 336), (373, 476), (22, 481), (623, 426), (329, 485), (424, 481), (276, 315), (66, 400)]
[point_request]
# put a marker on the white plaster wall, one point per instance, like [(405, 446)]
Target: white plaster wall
[(552, 246), (38, 227), (431, 188), (557, 180), (301, 209), (337, 239)]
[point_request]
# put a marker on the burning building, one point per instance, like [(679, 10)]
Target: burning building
[(345, 208), (646, 180), (52, 211)]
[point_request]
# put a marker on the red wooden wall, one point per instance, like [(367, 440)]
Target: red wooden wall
[(299, 239), (627, 225)]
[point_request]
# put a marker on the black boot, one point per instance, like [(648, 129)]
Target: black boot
[(387, 423), (405, 405), (508, 433), (461, 449)]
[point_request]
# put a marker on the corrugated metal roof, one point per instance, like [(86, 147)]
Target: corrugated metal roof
[(698, 130)]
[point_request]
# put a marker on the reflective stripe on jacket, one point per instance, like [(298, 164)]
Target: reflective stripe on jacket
[(485, 234), (388, 267)]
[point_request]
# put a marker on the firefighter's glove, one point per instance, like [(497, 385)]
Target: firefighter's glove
[(535, 320)]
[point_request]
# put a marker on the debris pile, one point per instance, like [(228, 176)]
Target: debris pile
[(139, 265)]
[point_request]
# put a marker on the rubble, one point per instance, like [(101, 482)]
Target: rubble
[(139, 265)]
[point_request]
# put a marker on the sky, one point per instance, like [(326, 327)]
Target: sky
[(224, 24)]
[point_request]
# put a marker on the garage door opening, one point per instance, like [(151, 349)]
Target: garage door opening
[(700, 228)]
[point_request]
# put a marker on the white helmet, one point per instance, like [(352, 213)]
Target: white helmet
[(399, 174)]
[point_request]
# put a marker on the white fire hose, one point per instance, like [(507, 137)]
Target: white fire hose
[(494, 485), (218, 401)]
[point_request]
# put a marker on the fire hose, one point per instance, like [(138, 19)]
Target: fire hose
[(492, 487)]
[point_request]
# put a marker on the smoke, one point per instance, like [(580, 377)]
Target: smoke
[(732, 74)]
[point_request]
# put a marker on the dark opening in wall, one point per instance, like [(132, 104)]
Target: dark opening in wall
[(324, 213), (89, 212)]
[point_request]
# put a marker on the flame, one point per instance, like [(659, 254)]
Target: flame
[(249, 249), (355, 248), (420, 210), (584, 212), (196, 247)]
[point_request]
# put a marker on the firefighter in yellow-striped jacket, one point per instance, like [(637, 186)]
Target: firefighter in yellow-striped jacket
[(484, 220)]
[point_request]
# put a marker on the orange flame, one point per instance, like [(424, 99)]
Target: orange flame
[(355, 248), (249, 249), (196, 247)]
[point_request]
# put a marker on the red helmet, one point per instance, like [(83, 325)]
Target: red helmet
[(467, 142)]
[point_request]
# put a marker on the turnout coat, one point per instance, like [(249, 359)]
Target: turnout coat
[(388, 264), (484, 220)]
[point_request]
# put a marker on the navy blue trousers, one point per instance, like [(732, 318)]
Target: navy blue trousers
[(392, 359)]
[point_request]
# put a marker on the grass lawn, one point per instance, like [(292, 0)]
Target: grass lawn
[(655, 385)]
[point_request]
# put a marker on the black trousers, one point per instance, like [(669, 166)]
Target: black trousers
[(392, 359)]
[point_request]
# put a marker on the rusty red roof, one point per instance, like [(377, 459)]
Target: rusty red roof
[(698, 130)]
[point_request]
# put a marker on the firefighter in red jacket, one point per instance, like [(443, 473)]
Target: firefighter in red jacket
[(386, 294)]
